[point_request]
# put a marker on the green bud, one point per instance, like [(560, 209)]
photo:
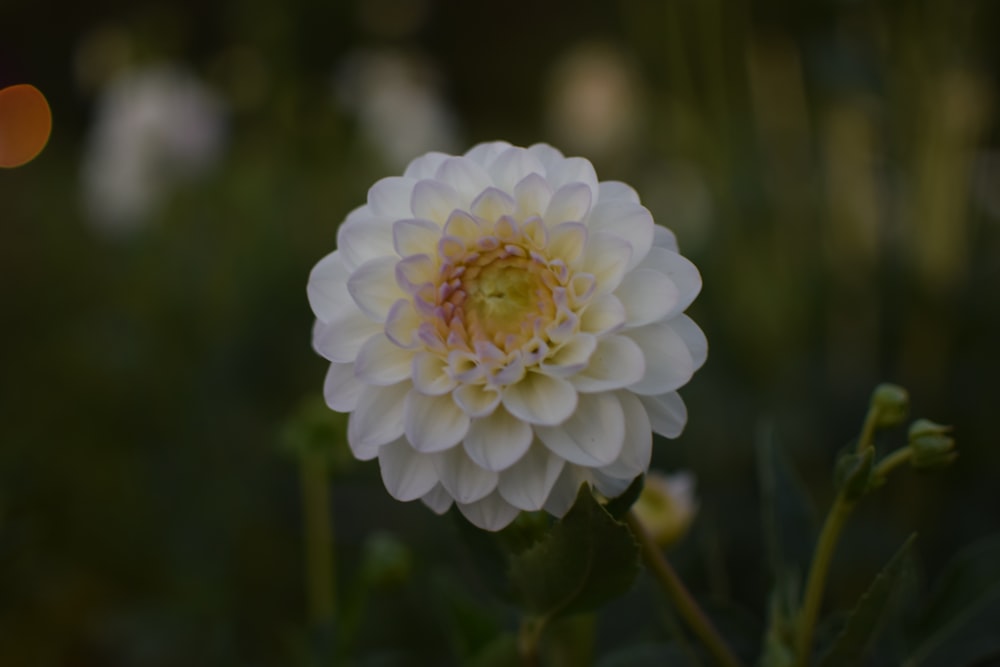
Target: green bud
[(387, 561), (931, 444), (853, 473), (891, 404)]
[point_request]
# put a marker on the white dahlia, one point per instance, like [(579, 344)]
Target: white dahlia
[(502, 328)]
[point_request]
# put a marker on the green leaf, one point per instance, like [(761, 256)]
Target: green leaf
[(586, 559), (865, 619), (969, 586), (789, 526), (648, 655), (618, 507)]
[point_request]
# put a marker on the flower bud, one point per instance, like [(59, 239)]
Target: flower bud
[(931, 444), (891, 404), (667, 506)]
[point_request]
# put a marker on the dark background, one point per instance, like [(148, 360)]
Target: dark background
[(831, 167)]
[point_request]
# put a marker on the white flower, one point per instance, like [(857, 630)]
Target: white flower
[(155, 127), (503, 328)]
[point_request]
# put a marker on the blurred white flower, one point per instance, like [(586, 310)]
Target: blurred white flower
[(398, 103), (667, 505), (503, 328), (595, 103), (154, 128)]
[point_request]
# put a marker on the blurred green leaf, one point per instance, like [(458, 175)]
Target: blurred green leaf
[(648, 655), (586, 559), (865, 620), (788, 523), (963, 594), (501, 652)]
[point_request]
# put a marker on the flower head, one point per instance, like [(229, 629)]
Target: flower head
[(502, 328), (667, 505)]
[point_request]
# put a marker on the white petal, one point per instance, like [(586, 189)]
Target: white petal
[(490, 513), (617, 362), (362, 238), (340, 388), (540, 399), (669, 361), (631, 222), (638, 446), (434, 201), (327, 287), (382, 362), (533, 195), (593, 436), (680, 270), (664, 238), (693, 337), (401, 324), (462, 478), (567, 241), (571, 357), (390, 197), (430, 374), (466, 176), (433, 423), (476, 400), (340, 339), (573, 170), (373, 287), (546, 154), (610, 486), (426, 165), (603, 314), (607, 257), (407, 474), (667, 413), (377, 419), (498, 441), (492, 204), (437, 499), (414, 272), (526, 485), (415, 237), (616, 191), (512, 165), (485, 153), (648, 296), (564, 491), (570, 203)]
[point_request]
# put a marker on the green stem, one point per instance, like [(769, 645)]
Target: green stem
[(679, 595), (320, 581), (867, 437), (828, 537), (899, 457)]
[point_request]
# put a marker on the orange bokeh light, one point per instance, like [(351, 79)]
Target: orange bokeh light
[(25, 124)]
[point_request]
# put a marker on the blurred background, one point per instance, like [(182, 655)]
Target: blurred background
[(832, 167)]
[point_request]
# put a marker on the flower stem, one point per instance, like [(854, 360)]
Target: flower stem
[(528, 639), (899, 457), (828, 537), (320, 582), (680, 596)]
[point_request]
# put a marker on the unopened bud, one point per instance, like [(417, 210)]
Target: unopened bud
[(931, 444), (667, 506), (891, 404)]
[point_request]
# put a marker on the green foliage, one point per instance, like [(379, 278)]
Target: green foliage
[(587, 559), (619, 507), (866, 619), (965, 593), (788, 522)]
